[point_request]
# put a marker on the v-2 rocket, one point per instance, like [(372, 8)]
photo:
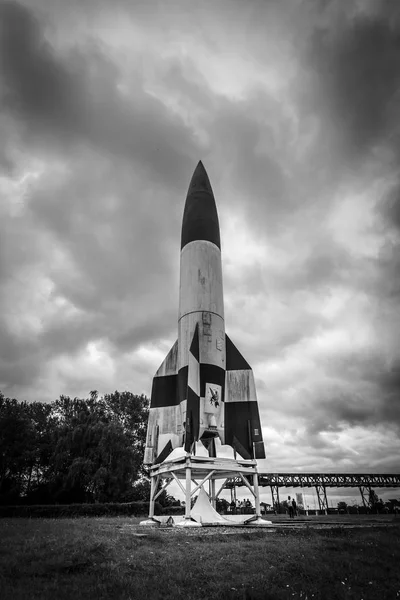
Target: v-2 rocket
[(204, 389)]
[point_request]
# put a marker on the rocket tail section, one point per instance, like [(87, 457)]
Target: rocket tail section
[(175, 409), (242, 420), (165, 430)]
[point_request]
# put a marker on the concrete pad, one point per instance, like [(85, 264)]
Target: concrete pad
[(165, 518), (188, 523), (150, 523), (258, 522)]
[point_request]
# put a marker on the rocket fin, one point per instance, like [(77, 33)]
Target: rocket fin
[(165, 452), (193, 393), (242, 420), (162, 430), (169, 366)]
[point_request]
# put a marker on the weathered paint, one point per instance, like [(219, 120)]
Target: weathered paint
[(170, 364), (240, 386), (201, 279)]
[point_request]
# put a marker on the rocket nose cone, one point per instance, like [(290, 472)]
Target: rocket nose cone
[(200, 181), (200, 217)]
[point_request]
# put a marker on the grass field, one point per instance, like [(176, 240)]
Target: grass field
[(114, 558)]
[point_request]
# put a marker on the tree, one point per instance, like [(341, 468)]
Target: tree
[(99, 454), (140, 491), (39, 469), (72, 450), (166, 499), (16, 447), (222, 505), (132, 413)]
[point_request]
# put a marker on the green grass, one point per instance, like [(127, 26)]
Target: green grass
[(103, 558)]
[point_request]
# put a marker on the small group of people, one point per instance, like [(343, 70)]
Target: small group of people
[(240, 506), (292, 508)]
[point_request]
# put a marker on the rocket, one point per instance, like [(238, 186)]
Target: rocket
[(204, 389)]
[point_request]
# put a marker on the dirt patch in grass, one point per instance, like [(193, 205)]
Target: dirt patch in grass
[(103, 558)]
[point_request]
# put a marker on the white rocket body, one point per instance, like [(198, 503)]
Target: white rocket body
[(201, 301)]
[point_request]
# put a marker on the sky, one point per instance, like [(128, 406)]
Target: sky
[(293, 107)]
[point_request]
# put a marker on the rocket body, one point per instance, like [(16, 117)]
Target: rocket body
[(204, 389)]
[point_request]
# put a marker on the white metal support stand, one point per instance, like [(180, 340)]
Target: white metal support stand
[(198, 470)]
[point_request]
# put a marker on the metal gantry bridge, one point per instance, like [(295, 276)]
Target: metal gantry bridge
[(320, 481)]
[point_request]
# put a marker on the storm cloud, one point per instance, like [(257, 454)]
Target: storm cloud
[(294, 110)]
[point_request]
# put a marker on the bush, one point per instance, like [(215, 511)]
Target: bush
[(173, 510), (128, 509)]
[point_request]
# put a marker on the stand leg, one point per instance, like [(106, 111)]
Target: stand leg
[(213, 501), (152, 493), (257, 495), (257, 521), (151, 521), (188, 490), (188, 522)]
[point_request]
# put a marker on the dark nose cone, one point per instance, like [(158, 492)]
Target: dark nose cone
[(200, 217)]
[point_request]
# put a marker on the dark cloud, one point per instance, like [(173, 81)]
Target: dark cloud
[(388, 386), (95, 219), (389, 379), (358, 75), (336, 408), (387, 267), (390, 208), (327, 264), (38, 86), (21, 360), (105, 255), (117, 256), (76, 98), (246, 128), (378, 398), (14, 347)]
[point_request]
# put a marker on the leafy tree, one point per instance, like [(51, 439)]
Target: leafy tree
[(132, 413), (222, 505), (39, 468), (101, 443), (140, 491), (72, 450), (16, 447), (392, 504)]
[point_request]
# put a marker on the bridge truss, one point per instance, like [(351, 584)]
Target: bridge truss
[(320, 481)]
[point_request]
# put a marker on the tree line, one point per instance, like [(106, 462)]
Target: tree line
[(73, 450)]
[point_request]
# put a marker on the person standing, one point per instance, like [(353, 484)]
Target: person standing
[(290, 508), (294, 507)]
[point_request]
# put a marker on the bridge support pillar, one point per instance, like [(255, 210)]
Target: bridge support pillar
[(322, 497), (365, 491), (275, 497)]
